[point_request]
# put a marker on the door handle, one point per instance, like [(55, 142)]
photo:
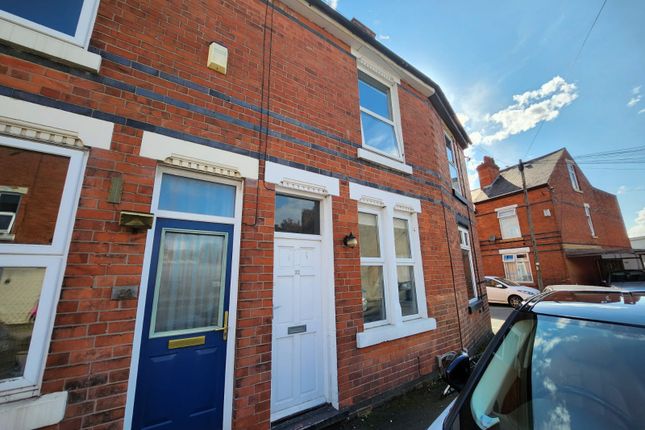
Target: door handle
[(224, 329), (225, 333)]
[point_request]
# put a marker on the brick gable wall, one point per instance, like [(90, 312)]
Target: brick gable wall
[(566, 225)]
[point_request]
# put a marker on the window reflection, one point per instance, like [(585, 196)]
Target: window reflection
[(31, 188), (297, 215), (561, 373), (19, 294)]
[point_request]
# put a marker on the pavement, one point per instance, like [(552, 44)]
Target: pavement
[(498, 314), (415, 410)]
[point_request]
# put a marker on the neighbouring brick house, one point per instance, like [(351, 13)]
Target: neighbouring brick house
[(579, 229), (194, 264)]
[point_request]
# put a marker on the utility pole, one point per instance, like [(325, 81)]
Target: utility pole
[(538, 269)]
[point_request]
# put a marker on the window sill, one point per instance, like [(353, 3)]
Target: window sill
[(35, 412), (385, 333), (459, 197), (7, 237), (373, 157), (49, 46)]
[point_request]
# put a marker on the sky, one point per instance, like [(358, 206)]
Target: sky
[(528, 78)]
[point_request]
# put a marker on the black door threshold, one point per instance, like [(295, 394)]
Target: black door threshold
[(311, 419)]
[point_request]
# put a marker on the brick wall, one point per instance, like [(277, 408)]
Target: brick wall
[(153, 77), (567, 224)]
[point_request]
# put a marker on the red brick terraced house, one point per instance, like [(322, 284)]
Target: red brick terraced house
[(579, 229), (220, 215)]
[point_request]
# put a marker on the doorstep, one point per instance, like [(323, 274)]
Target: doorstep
[(313, 419)]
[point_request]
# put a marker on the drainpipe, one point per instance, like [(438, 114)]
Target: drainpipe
[(538, 269)]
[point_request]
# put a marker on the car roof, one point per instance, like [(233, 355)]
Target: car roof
[(610, 305)]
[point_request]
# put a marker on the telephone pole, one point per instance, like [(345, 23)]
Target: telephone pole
[(538, 269)]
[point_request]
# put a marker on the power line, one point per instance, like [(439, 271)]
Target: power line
[(575, 60), (584, 42)]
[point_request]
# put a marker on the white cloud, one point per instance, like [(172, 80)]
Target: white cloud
[(633, 101), (530, 109), (622, 189), (638, 229), (641, 111), (635, 98), (332, 3), (383, 37), (463, 118)]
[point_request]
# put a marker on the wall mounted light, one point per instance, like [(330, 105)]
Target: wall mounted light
[(350, 240)]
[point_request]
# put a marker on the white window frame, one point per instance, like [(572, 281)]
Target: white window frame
[(388, 206), (508, 214), (382, 75), (52, 258), (455, 163), (514, 254), (378, 262), (573, 177), (465, 243), (589, 220), (83, 29), (11, 214)]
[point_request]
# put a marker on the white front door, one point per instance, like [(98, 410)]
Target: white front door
[(297, 380)]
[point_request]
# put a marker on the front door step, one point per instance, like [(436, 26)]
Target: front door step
[(313, 419)]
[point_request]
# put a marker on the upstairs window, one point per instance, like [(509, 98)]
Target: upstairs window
[(379, 123), (453, 165), (589, 221), (572, 176), (509, 225), (69, 20)]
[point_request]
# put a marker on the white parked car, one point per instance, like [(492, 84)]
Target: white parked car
[(501, 290)]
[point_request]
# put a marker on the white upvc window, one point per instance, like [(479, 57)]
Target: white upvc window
[(453, 164), (380, 118), (465, 243), (517, 267), (392, 286), (61, 30), (589, 221), (509, 224), (48, 179), (571, 168), (68, 20)]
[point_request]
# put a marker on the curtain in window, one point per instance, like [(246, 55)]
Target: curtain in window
[(190, 285)]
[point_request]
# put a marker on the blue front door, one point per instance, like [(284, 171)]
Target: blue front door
[(180, 382)]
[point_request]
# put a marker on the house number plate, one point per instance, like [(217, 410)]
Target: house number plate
[(297, 329)]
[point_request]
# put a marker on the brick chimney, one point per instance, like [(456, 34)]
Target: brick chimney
[(487, 171)]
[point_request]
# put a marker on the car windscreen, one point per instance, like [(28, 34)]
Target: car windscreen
[(560, 373), (509, 282), (628, 276)]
